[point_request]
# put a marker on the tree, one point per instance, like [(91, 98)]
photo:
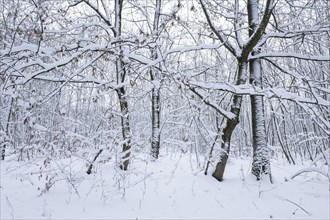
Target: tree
[(242, 57), (121, 74), (155, 91), (101, 10), (82, 77)]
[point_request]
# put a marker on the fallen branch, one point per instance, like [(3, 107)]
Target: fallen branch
[(310, 169), (298, 206), (89, 171)]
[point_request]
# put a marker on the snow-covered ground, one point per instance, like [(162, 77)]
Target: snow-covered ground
[(173, 187)]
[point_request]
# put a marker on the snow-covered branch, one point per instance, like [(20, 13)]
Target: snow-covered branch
[(290, 55), (248, 89)]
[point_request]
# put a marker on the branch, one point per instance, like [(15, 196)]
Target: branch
[(310, 169), (226, 114), (101, 15), (290, 55), (248, 89), (298, 206), (294, 33), (226, 43), (255, 37), (237, 33), (89, 171)]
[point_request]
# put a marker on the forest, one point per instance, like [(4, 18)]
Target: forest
[(165, 109)]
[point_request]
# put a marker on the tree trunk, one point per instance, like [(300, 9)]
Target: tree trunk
[(261, 163), (120, 71), (230, 124), (256, 31), (155, 120), (3, 152), (276, 127), (155, 93), (6, 131), (125, 127)]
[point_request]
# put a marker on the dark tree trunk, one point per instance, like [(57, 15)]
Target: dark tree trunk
[(121, 73), (126, 133), (3, 152), (230, 124)]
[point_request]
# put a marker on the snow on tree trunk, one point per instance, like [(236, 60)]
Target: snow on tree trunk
[(256, 31), (125, 128), (121, 72), (260, 164)]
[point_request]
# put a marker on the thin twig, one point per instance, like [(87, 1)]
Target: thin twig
[(298, 206)]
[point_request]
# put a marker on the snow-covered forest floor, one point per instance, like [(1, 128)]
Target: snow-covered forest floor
[(173, 187)]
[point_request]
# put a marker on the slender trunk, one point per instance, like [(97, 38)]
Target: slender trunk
[(285, 136), (121, 72), (125, 128), (230, 124), (287, 146), (276, 127), (3, 152), (261, 154), (155, 93), (215, 141), (155, 120), (307, 141), (6, 131)]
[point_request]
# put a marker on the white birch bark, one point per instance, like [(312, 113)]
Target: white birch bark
[(155, 92)]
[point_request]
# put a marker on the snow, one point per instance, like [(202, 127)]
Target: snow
[(255, 90), (172, 187), (292, 55)]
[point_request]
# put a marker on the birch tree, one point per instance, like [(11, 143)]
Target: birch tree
[(155, 77)]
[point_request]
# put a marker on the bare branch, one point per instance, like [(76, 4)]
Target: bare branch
[(218, 33)]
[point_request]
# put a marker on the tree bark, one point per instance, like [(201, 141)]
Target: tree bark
[(6, 131), (155, 92), (261, 163), (231, 124), (155, 120), (121, 72), (256, 31), (261, 154), (125, 127)]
